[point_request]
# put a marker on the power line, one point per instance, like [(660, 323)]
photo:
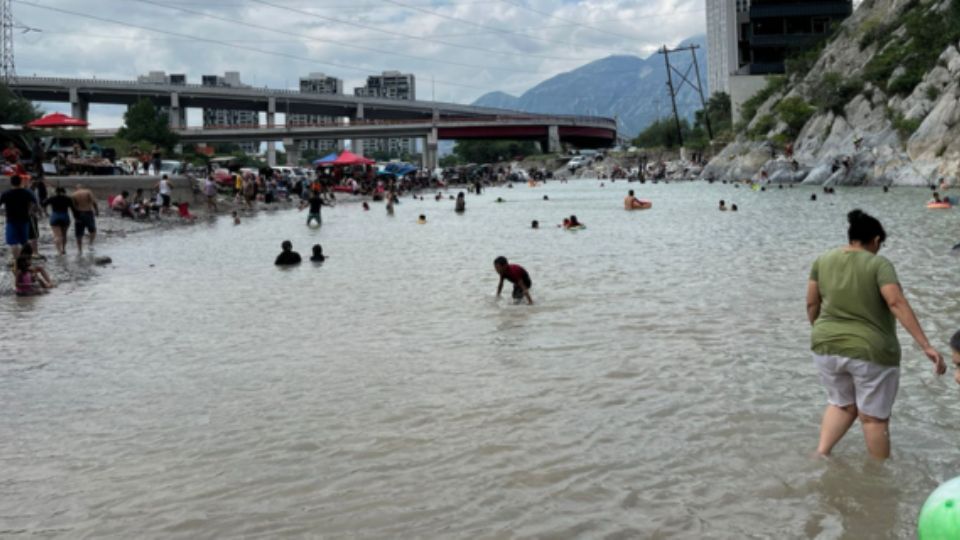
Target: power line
[(408, 36), (552, 16), (491, 28), (334, 42), (227, 44)]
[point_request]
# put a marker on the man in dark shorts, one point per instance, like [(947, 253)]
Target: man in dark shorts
[(85, 210), (514, 273), (18, 203), (314, 202)]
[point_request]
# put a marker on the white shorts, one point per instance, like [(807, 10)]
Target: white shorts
[(848, 381)]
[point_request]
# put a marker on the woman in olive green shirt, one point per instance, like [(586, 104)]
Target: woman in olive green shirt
[(853, 302)]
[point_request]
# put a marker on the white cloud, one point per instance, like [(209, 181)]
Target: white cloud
[(531, 46)]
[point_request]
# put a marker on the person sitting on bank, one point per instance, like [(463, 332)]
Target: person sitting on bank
[(288, 256)]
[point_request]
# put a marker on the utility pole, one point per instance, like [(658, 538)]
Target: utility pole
[(7, 68), (673, 94), (684, 78)]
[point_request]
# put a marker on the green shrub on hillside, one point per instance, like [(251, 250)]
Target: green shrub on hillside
[(775, 83), (762, 127), (794, 112), (928, 33), (832, 92), (904, 126)]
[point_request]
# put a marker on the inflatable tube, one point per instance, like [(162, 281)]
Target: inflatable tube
[(577, 228), (642, 204), (939, 206)]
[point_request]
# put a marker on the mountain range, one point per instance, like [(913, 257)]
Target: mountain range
[(629, 88)]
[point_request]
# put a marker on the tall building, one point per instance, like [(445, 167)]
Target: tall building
[(724, 23), (230, 117), (750, 39), (390, 85), (317, 83), (779, 28), (161, 77)]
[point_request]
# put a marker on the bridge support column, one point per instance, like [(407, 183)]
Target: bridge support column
[(272, 153), (553, 140), (78, 105), (430, 151), (292, 148), (271, 122), (356, 145), (175, 114)]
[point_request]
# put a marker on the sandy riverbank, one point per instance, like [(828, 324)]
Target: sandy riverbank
[(112, 228)]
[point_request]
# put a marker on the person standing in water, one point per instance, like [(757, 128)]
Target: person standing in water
[(85, 212), (314, 202), (516, 274), (60, 208), (854, 300), (461, 204)]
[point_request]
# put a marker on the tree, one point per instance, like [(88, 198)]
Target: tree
[(473, 151), (662, 133), (14, 109), (143, 122)]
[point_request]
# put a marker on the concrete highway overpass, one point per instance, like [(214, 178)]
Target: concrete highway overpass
[(551, 132), (362, 117)]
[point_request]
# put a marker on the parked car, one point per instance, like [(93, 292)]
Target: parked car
[(575, 163)]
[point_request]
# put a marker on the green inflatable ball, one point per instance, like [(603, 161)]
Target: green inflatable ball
[(940, 515)]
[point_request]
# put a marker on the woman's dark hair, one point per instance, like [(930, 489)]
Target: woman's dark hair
[(864, 227), (955, 342)]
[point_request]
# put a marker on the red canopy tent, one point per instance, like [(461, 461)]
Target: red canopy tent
[(57, 120), (349, 158)]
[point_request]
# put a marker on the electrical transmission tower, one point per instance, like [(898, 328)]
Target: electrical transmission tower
[(7, 68), (684, 78)]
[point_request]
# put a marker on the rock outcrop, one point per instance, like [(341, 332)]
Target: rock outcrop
[(877, 136)]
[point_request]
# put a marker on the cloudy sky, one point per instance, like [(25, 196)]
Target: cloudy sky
[(458, 49)]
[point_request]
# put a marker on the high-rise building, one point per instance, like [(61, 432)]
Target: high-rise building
[(750, 39), (317, 83), (230, 117), (390, 85), (724, 19), (779, 28)]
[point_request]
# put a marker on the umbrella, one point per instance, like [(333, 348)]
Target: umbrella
[(57, 120), (349, 158), (330, 158)]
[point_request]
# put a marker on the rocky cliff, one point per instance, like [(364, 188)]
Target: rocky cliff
[(879, 104)]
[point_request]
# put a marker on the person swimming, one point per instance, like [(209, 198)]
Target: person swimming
[(317, 254), (573, 223), (461, 205), (546, 198), (236, 218), (500, 199), (723, 206), (733, 208), (534, 224), (287, 257), (813, 196), (422, 220), (631, 202), (366, 206), (516, 274)]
